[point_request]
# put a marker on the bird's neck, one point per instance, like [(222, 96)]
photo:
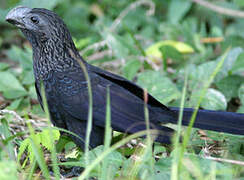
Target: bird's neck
[(52, 56)]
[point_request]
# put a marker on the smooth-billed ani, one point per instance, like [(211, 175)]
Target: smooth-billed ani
[(56, 64)]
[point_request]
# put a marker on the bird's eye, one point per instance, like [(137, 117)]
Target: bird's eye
[(34, 19)]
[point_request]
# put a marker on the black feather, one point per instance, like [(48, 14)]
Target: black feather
[(56, 64)]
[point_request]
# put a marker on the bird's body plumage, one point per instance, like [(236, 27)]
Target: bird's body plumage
[(56, 63)]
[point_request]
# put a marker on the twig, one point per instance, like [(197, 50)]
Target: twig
[(5, 111), (220, 10), (117, 21), (131, 7), (225, 160), (94, 46), (149, 61), (100, 55)]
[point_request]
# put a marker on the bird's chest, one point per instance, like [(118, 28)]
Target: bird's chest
[(57, 87)]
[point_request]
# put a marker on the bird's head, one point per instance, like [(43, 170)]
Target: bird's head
[(39, 25), (53, 48)]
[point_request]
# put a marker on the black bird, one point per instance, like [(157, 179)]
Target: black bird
[(56, 63)]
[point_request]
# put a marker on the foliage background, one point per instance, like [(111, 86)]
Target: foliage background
[(154, 43)]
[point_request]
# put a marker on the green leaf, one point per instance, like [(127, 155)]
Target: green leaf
[(240, 3), (23, 56), (12, 94), (214, 100), (229, 86), (241, 109), (10, 86), (40, 4), (199, 74), (154, 49), (117, 43), (8, 170), (3, 13), (178, 9), (160, 86), (15, 104), (241, 93), (238, 66), (81, 43), (47, 142), (3, 66), (130, 69), (28, 78), (228, 63), (40, 138), (171, 52), (203, 167), (32, 92), (163, 168), (115, 160)]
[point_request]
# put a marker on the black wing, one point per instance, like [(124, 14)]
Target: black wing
[(127, 104)]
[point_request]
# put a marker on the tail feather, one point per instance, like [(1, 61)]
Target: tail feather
[(228, 122)]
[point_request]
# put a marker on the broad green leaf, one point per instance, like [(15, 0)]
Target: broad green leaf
[(199, 74), (136, 18), (3, 66), (241, 109), (32, 92), (8, 170), (203, 167), (178, 9), (240, 3), (154, 50), (15, 104), (171, 52), (12, 94), (229, 86), (163, 168), (40, 4), (234, 40), (238, 65), (81, 43), (28, 77), (3, 13), (23, 56), (130, 69), (159, 149), (10, 86), (117, 43), (228, 63), (213, 99), (160, 86), (115, 160), (241, 93)]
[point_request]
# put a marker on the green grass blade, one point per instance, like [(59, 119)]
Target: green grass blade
[(39, 155), (149, 140), (32, 170), (51, 136), (89, 120), (107, 138), (174, 169), (203, 92), (7, 134)]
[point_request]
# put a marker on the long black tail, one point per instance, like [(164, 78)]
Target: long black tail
[(220, 121)]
